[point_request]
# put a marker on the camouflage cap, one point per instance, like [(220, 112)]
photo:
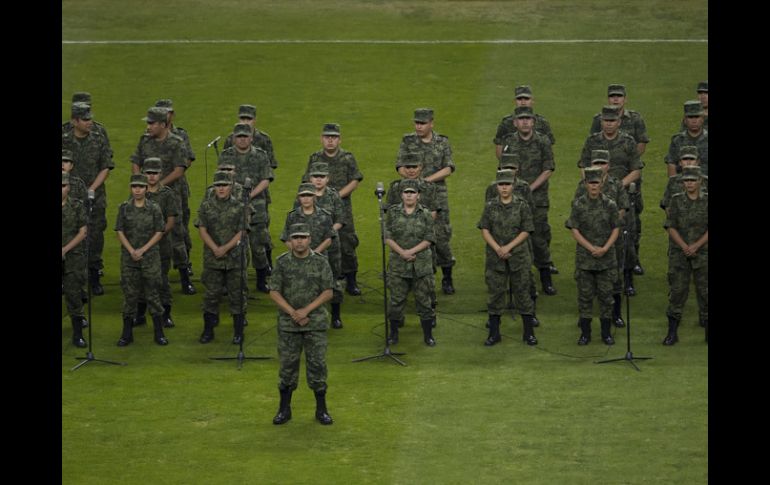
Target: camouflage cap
[(152, 165), (222, 178), (611, 112), (81, 97), (409, 158), (692, 172), (410, 185), (139, 179), (703, 87), (165, 103), (423, 115), (510, 161), (688, 151), (331, 129), (225, 164), (67, 155), (523, 112), (319, 168), (299, 229), (81, 111), (523, 91), (247, 111), (505, 177), (65, 178), (243, 129), (156, 114), (593, 174), (616, 89), (600, 156), (693, 108), (306, 188)]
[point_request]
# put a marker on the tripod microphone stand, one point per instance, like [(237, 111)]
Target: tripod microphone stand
[(243, 245), (629, 357), (379, 192), (90, 355)]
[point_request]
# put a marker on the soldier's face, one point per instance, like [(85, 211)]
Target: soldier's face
[(319, 181), (330, 143), (412, 171), (223, 190), (410, 198), (616, 100), (249, 121), (155, 128), (138, 192), (691, 186), (66, 166), (242, 142), (153, 178), (687, 162), (610, 127), (505, 190), (693, 123), (524, 101), (83, 126), (423, 129), (704, 99), (604, 166), (300, 244), (593, 188), (306, 200), (524, 125)]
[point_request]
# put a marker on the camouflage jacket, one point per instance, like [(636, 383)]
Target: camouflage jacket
[(343, 169), (78, 189), (73, 217), (436, 154), (631, 122), (259, 139), (504, 223), (683, 138), (320, 223), (612, 188), (95, 127), (91, 155), (595, 219), (223, 219), (409, 230), (182, 133), (506, 128), (691, 220), (332, 203), (428, 197), (139, 225), (674, 186), (255, 164), (300, 281), (683, 127), (520, 188), (536, 158), (257, 205), (624, 158), (168, 200), (171, 152)]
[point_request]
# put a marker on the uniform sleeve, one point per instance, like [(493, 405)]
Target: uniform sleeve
[(446, 158), (636, 160), (596, 125), (389, 220), (672, 156), (484, 222), (641, 130), (392, 197), (277, 276), (105, 155), (120, 220), (327, 278), (547, 153), (138, 156), (547, 131), (672, 217), (353, 172), (81, 215), (585, 155), (571, 223), (501, 131), (157, 219), (429, 234), (527, 220), (285, 233), (203, 219)]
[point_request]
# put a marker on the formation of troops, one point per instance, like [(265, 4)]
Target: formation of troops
[(320, 264)]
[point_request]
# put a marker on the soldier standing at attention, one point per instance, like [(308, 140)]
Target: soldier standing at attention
[(593, 222), (140, 226), (688, 156), (694, 135), (84, 97), (703, 97), (73, 232), (688, 229), (437, 164), (301, 283), (506, 127)]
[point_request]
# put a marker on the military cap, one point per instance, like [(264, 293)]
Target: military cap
[(616, 89), (410, 185), (504, 177), (319, 168), (331, 129), (423, 115), (523, 112), (523, 91), (299, 229), (691, 172), (152, 165), (688, 151), (693, 108), (81, 111), (139, 179), (247, 111), (510, 160), (225, 164), (306, 188), (65, 178), (600, 156), (222, 178), (242, 129), (67, 155), (703, 87), (409, 158), (156, 114), (165, 103), (81, 97), (593, 174), (611, 112)]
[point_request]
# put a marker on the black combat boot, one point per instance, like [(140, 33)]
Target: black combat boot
[(269, 256), (529, 331), (606, 324), (128, 332), (210, 320), (336, 322), (184, 278), (238, 328), (535, 321), (157, 326), (585, 331), (262, 281), (352, 286), (77, 332), (321, 414), (141, 314), (628, 282), (494, 331), (427, 332), (617, 320), (545, 280), (284, 409), (673, 326), (93, 280), (167, 321), (447, 286), (393, 338)]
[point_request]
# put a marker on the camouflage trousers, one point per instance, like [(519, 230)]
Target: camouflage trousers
[(258, 239), (521, 284), (442, 252), (74, 277), (423, 288), (334, 254), (635, 227), (348, 244), (164, 289), (180, 234), (290, 346), (97, 223), (596, 284), (216, 281), (679, 275), (141, 280), (541, 238)]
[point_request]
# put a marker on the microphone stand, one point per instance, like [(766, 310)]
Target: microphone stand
[(90, 355), (243, 245), (206, 161), (387, 352)]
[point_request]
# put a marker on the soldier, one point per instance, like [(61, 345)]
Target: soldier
[(693, 135), (77, 188), (688, 229), (631, 121), (73, 232), (409, 235), (437, 165), (536, 167), (84, 97), (703, 97), (505, 225), (344, 177), (688, 156), (140, 226), (593, 222), (221, 222), (253, 163), (506, 127), (411, 167), (301, 283), (159, 142), (92, 155)]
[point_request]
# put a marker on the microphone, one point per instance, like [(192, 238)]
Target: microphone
[(247, 183), (380, 190), (91, 195), (632, 188), (213, 142)]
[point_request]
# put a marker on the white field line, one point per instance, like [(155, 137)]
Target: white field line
[(376, 41)]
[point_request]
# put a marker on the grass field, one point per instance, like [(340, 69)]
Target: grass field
[(460, 412)]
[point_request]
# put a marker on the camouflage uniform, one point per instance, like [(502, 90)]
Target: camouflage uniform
[(184, 188), (683, 138), (674, 186), (631, 122), (506, 128), (428, 197), (73, 217), (320, 223), (168, 201), (85, 97)]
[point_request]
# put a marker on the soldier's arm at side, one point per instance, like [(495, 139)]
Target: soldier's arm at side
[(540, 180), (498, 151), (348, 189), (99, 180), (640, 148), (173, 176), (439, 175), (677, 238), (261, 186), (281, 302), (324, 245), (82, 233), (633, 176)]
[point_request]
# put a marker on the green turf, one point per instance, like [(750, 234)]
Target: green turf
[(459, 412)]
